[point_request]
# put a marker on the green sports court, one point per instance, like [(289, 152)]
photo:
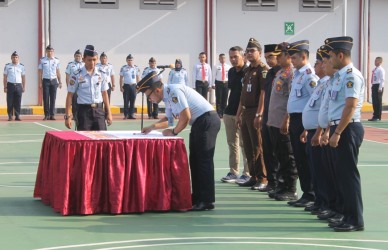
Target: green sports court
[(243, 219)]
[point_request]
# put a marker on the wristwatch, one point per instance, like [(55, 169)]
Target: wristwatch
[(67, 117), (258, 115)]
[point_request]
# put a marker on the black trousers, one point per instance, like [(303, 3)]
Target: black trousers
[(129, 96), (202, 144), (287, 175), (91, 119), (74, 105), (14, 98), (153, 109), (299, 148), (202, 88), (332, 192), (222, 92), (270, 159), (49, 96), (348, 178), (377, 101)]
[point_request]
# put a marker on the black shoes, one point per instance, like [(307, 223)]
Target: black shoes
[(373, 119), (202, 206), (286, 196), (261, 187), (251, 182), (52, 118), (325, 214), (302, 202), (46, 118), (345, 227), (18, 118), (10, 118)]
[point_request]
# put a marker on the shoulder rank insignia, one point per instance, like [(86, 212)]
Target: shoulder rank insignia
[(308, 71), (175, 99), (349, 84), (72, 82), (313, 84), (349, 70), (264, 73)]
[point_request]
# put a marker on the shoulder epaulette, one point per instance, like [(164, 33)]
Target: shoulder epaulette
[(76, 72), (21, 64), (308, 71), (349, 70)]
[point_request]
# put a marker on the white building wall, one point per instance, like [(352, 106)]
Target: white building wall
[(19, 31)]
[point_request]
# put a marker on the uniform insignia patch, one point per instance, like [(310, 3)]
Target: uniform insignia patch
[(349, 70), (308, 71), (254, 73), (175, 99), (168, 90), (313, 84), (278, 87), (349, 84), (72, 82)]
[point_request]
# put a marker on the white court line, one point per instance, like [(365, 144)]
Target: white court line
[(21, 141), (40, 124), (16, 173), (376, 127), (8, 186), (379, 142), (13, 162), (12, 135), (212, 238)]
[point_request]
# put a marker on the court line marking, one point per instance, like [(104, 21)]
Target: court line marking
[(40, 124), (20, 162), (258, 243), (21, 141), (16, 173), (11, 135), (213, 238), (379, 142), (375, 127), (14, 186)]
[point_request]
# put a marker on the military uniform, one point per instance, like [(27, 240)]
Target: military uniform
[(130, 75), (178, 77), (281, 143), (108, 70), (89, 88), (302, 87), (70, 69), (152, 108), (13, 74), (253, 84), (49, 67)]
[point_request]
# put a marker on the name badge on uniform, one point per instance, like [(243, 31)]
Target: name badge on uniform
[(312, 103), (298, 92), (249, 87)]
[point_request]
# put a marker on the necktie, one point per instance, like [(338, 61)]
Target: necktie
[(203, 72), (373, 76), (223, 72)]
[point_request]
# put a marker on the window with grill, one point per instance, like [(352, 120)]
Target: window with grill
[(158, 4), (316, 5), (3, 3), (100, 4), (252, 5)]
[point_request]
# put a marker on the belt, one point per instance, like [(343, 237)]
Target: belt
[(92, 105), (16, 83), (336, 122), (250, 107)]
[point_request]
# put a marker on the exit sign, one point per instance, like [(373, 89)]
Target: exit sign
[(289, 28)]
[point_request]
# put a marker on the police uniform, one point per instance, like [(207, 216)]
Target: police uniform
[(70, 69), (130, 75), (221, 84), (302, 86), (253, 84), (270, 159), (202, 77), (108, 70), (348, 82), (286, 175), (205, 125), (14, 75), (152, 108), (50, 82), (378, 78), (178, 75), (89, 88)]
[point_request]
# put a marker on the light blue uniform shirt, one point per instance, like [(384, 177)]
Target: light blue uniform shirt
[(49, 67), (107, 69), (73, 66), (178, 77), (347, 82), (311, 110), (129, 73), (302, 86), (88, 87), (323, 117), (14, 72), (178, 97)]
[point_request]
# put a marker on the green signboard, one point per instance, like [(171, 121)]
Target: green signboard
[(289, 28)]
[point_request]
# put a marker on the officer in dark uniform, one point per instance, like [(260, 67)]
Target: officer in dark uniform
[(346, 131), (250, 113), (191, 108), (14, 85), (91, 85), (270, 160)]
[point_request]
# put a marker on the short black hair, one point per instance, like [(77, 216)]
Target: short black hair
[(346, 53), (237, 48)]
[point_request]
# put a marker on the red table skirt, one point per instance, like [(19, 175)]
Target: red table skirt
[(78, 175)]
